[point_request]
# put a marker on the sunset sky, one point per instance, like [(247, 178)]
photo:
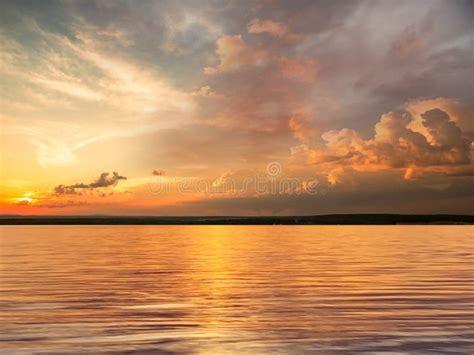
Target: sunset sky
[(179, 107)]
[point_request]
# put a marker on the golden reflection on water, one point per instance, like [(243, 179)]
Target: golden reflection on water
[(253, 289)]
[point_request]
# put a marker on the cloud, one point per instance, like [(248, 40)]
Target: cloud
[(276, 29), (444, 148), (206, 92), (127, 85), (81, 80), (303, 70), (283, 90), (372, 196), (57, 143), (406, 44), (158, 172), (104, 180), (460, 112), (300, 127), (63, 204), (234, 53), (91, 78), (64, 190), (70, 88)]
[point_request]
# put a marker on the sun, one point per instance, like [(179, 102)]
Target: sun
[(27, 198), (24, 200)]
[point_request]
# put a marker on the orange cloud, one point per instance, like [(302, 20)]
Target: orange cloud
[(306, 70), (448, 149), (234, 53), (300, 127), (276, 29)]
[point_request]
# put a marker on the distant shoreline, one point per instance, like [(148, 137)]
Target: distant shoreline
[(335, 219)]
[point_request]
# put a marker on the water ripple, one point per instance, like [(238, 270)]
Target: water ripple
[(237, 289)]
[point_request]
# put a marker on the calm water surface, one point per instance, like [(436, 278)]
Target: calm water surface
[(237, 289)]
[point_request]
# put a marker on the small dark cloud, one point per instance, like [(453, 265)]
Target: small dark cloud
[(158, 172), (64, 190), (104, 180)]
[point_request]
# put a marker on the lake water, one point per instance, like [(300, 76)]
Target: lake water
[(237, 289)]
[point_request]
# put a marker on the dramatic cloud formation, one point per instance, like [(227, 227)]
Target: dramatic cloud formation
[(371, 99), (443, 147)]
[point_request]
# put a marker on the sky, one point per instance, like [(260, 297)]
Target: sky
[(217, 107)]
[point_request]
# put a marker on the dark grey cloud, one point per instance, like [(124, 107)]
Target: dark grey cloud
[(367, 197), (104, 180), (158, 172)]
